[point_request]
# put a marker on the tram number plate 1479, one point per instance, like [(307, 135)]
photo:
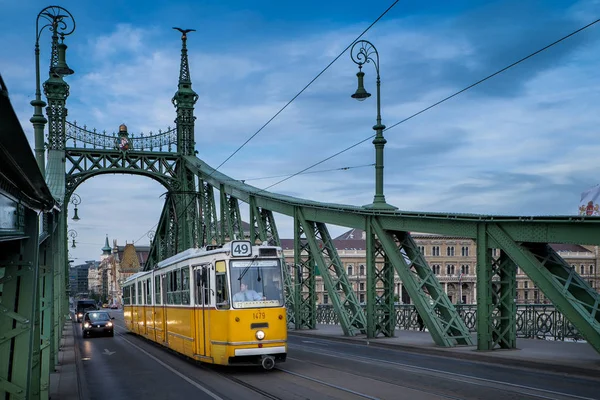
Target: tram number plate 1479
[(259, 315)]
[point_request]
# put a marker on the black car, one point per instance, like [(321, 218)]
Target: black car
[(97, 322)]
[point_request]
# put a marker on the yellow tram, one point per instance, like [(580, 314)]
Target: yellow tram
[(218, 304)]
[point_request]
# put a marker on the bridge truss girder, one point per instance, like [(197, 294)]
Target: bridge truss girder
[(231, 218), (496, 315), (326, 259), (431, 302), (85, 163), (560, 283)]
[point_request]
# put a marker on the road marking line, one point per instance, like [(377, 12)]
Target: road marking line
[(188, 380)]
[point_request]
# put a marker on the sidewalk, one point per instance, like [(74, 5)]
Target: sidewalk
[(557, 356), (64, 382)]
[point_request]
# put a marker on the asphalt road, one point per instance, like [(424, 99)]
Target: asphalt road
[(127, 366)]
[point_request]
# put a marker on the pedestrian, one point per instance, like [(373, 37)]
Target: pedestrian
[(420, 322)]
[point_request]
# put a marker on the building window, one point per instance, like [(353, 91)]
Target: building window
[(582, 269), (450, 269), (436, 269), (422, 249), (361, 269), (591, 269), (450, 251), (362, 286), (435, 251), (465, 251), (362, 298), (526, 284), (464, 269), (325, 299), (526, 295), (494, 252), (350, 269)]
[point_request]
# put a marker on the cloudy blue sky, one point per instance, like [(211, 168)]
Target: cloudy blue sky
[(522, 143)]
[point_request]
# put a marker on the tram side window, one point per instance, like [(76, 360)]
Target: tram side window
[(171, 287), (221, 286), (127, 295), (140, 293), (148, 291), (203, 287), (157, 297), (208, 286), (175, 286), (133, 299), (185, 288)]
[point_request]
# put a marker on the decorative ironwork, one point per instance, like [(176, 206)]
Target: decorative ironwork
[(184, 100), (364, 54), (81, 137), (534, 321)]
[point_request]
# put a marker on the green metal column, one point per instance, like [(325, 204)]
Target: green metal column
[(504, 295), (306, 313), (208, 213), (484, 290), (231, 219), (20, 305), (381, 314)]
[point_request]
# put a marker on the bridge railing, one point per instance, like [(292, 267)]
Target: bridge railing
[(81, 137), (534, 321)]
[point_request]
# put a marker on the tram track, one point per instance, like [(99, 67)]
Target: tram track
[(247, 385), (501, 386), (261, 384)]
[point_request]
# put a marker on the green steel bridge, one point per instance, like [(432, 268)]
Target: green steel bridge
[(202, 206)]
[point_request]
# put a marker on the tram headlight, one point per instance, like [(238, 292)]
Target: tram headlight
[(260, 335)]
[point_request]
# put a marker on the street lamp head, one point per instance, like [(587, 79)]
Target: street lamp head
[(76, 216), (361, 94), (61, 68)]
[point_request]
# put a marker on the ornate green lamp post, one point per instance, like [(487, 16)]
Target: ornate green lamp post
[(72, 233), (75, 200), (54, 18), (363, 52)]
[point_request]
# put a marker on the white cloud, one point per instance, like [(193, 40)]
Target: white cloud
[(490, 150)]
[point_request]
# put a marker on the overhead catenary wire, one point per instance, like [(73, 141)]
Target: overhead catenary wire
[(270, 177), (440, 101), (305, 87), (310, 172)]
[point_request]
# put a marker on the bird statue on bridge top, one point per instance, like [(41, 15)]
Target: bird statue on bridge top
[(184, 32)]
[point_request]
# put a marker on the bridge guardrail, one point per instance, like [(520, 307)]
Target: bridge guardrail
[(534, 321)]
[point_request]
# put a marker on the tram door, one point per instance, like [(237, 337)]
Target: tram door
[(161, 311), (202, 306)]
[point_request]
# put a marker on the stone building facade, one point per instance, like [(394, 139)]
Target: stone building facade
[(117, 263), (453, 260)]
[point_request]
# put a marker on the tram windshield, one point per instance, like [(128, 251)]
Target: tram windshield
[(256, 283)]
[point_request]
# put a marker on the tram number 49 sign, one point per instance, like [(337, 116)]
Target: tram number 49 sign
[(241, 248)]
